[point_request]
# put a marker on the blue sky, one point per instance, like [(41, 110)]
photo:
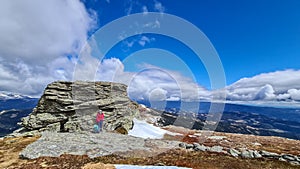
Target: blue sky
[(258, 43), (251, 37)]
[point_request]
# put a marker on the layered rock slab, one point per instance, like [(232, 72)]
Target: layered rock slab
[(72, 106)]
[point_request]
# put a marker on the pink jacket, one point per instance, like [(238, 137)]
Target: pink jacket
[(100, 116)]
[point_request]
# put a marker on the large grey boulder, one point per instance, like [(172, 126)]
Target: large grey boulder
[(72, 106), (94, 145)]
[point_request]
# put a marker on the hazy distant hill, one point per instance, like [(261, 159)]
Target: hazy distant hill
[(266, 121), (290, 114), (12, 110), (236, 118)]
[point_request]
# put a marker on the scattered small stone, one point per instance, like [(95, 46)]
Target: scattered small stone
[(294, 163), (217, 137), (189, 146), (256, 154), (247, 154), (288, 157), (256, 144), (217, 149), (243, 152), (234, 152), (159, 164), (282, 159), (269, 154), (196, 145), (201, 148), (182, 145)]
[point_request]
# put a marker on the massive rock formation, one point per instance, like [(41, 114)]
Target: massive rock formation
[(72, 107)]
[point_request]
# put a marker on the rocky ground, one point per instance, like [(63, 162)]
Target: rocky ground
[(237, 141), (132, 153), (95, 145)]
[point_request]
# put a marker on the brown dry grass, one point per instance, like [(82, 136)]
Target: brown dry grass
[(98, 166), (10, 148), (198, 160), (178, 157)]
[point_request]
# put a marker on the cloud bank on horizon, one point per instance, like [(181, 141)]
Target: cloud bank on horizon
[(39, 45), (154, 83)]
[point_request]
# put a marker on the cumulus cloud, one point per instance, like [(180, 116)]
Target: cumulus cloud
[(265, 93), (150, 83), (276, 86), (157, 83), (38, 40), (294, 94)]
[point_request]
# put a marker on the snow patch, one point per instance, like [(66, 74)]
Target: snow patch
[(7, 96), (145, 130)]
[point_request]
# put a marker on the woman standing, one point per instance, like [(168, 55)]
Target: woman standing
[(99, 120)]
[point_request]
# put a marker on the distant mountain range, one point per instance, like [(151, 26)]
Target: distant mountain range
[(12, 108), (243, 119), (283, 113), (10, 96)]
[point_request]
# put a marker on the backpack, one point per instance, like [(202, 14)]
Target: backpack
[(96, 128)]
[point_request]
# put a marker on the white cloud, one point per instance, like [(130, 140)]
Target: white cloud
[(276, 86), (159, 7), (145, 10), (280, 80), (265, 93), (136, 6), (157, 83), (144, 40), (158, 94), (294, 94), (110, 70), (141, 40), (151, 83), (35, 39), (173, 98)]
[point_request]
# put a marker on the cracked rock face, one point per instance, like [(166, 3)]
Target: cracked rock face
[(72, 107)]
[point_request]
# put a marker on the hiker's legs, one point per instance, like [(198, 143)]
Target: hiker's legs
[(100, 125)]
